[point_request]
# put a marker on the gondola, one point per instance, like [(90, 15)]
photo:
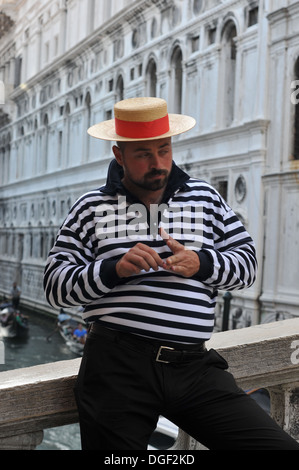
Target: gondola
[(12, 323), (67, 327)]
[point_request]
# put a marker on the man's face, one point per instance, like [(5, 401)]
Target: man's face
[(146, 164)]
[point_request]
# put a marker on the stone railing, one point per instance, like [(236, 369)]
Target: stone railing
[(35, 398)]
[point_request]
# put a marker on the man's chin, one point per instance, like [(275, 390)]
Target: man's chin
[(155, 183)]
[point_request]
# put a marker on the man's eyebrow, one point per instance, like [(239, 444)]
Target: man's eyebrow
[(141, 149), (164, 145), (144, 149)]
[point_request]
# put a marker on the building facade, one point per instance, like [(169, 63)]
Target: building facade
[(231, 64)]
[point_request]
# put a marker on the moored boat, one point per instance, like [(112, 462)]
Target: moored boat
[(72, 331), (13, 324)]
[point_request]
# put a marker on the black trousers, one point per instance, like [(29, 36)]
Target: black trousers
[(122, 390)]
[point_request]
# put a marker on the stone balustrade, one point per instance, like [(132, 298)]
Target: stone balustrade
[(35, 398)]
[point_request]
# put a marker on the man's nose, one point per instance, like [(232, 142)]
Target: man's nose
[(155, 160)]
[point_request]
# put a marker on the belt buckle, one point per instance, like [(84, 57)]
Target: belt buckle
[(160, 351)]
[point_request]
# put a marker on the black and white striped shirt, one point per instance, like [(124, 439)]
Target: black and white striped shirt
[(105, 223)]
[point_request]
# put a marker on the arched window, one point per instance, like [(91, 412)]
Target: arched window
[(2, 166), (197, 6), (7, 164), (229, 34), (30, 245), (66, 132), (88, 122), (45, 142), (8, 157), (88, 107), (41, 245), (119, 89), (151, 78), (296, 117), (5, 159), (176, 81)]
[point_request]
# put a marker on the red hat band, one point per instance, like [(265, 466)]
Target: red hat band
[(137, 130)]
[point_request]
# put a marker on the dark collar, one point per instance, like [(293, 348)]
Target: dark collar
[(177, 180)]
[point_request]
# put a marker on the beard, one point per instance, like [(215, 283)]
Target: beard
[(156, 179), (153, 181)]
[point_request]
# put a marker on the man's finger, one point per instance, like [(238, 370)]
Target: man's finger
[(173, 244), (163, 234), (175, 258), (136, 259)]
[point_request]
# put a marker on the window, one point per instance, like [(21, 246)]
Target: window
[(253, 16), (88, 122), (151, 78), (211, 35), (18, 71), (45, 142), (229, 34), (221, 185), (195, 44), (119, 88), (197, 5), (154, 28), (2, 92), (60, 143), (56, 45), (296, 117), (47, 52), (177, 80), (135, 38)]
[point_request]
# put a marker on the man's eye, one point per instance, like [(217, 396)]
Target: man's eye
[(143, 155)]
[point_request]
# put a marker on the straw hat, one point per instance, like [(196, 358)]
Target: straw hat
[(141, 119)]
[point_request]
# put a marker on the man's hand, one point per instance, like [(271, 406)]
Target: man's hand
[(139, 257), (142, 257), (183, 262)]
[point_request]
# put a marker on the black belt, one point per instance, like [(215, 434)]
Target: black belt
[(160, 352)]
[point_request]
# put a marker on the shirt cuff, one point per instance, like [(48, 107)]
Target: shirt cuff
[(206, 266), (108, 273)]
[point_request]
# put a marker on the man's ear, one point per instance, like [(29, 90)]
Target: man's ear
[(118, 154)]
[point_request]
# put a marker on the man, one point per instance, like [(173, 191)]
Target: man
[(80, 333), (15, 295), (145, 255)]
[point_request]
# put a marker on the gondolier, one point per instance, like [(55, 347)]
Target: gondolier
[(15, 295), (146, 255)]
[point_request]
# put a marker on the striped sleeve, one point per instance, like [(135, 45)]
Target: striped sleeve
[(72, 280), (72, 273), (233, 256)]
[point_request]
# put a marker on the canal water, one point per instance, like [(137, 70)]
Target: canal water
[(34, 350)]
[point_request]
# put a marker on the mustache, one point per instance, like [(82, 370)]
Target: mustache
[(155, 172)]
